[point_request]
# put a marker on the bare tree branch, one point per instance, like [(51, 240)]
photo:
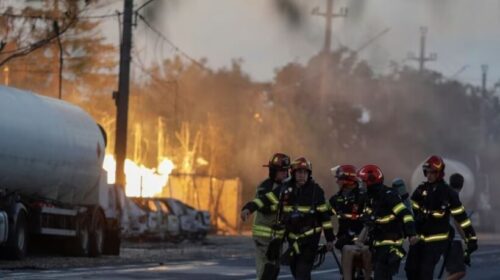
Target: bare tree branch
[(36, 45)]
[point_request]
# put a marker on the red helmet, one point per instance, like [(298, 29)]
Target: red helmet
[(279, 161), (346, 172), (434, 163), (301, 163), (371, 174)]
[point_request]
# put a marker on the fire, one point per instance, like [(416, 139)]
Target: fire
[(141, 181)]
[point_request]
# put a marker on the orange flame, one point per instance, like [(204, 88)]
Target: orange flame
[(141, 181)]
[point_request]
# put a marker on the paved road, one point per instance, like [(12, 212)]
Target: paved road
[(486, 265)]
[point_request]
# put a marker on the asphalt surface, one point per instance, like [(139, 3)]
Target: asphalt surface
[(486, 265)]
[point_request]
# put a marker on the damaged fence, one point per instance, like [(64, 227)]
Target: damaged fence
[(221, 197)]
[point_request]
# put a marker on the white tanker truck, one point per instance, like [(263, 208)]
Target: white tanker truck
[(51, 178)]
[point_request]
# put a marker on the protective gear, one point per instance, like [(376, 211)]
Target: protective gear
[(278, 161), (457, 181), (434, 163), (471, 246), (301, 163), (306, 203), (467, 259), (320, 256), (262, 232), (274, 249), (422, 259), (271, 272), (433, 204), (390, 221), (346, 172), (348, 206), (400, 186), (387, 260), (371, 175)]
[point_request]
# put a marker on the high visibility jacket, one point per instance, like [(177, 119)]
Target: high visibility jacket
[(390, 218), (348, 207), (265, 217), (433, 204), (305, 212)]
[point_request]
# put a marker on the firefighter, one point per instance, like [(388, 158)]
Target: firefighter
[(264, 219), (305, 216), (390, 221), (347, 205), (433, 203), (457, 257)]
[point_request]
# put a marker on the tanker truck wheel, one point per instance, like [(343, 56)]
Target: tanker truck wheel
[(81, 242), (17, 243), (96, 233)]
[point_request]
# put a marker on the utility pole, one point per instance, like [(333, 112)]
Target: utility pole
[(329, 15), (422, 58), (484, 71), (123, 94), (482, 105), (60, 59)]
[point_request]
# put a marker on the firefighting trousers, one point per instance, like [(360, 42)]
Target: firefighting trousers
[(265, 269), (301, 264), (422, 259), (386, 261)]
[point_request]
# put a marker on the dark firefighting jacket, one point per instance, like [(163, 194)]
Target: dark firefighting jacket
[(348, 207), (265, 217), (305, 214), (433, 204), (388, 217)]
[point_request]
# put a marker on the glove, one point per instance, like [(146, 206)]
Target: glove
[(467, 259), (471, 246)]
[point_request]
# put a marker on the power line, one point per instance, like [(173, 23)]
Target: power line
[(52, 18), (143, 5), (143, 69), (177, 49)]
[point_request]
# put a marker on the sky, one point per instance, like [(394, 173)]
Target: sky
[(463, 33)]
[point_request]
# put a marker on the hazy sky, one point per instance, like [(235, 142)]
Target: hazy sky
[(461, 32)]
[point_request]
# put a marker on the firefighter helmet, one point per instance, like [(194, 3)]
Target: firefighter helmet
[(434, 164), (371, 175), (346, 172), (278, 161), (301, 163)]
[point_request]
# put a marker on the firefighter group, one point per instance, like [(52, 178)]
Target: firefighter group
[(291, 213)]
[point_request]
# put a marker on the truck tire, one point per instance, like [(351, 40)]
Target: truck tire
[(112, 242), (81, 243), (17, 243), (96, 233)]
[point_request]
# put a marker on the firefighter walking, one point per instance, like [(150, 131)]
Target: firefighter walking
[(305, 216), (347, 205), (390, 221), (433, 203), (265, 218)]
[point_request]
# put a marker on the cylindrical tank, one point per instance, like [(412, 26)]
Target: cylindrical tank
[(451, 166), (48, 147)]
